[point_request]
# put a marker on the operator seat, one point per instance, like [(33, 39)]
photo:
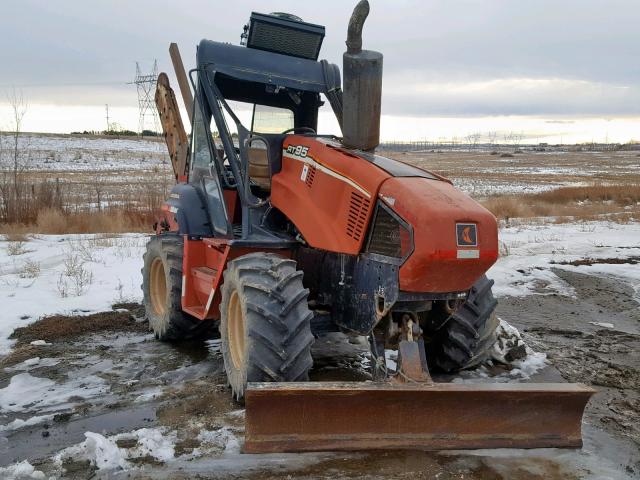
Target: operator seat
[(259, 169)]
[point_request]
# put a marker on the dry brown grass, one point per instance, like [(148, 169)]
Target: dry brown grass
[(529, 168), (620, 203), (16, 234), (57, 222), (620, 194)]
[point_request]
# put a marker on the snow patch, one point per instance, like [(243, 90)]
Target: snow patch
[(603, 324), (509, 349), (236, 413), (391, 359), (223, 439), (530, 365), (151, 394), (27, 393), (23, 390), (35, 362), (104, 452), (509, 345), (29, 422), (19, 471), (530, 251), (154, 442)]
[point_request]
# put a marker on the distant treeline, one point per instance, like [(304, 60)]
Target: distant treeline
[(119, 133)]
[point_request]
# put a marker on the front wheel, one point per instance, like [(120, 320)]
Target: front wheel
[(265, 322), (465, 340)]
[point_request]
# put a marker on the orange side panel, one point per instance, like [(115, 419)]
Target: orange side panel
[(203, 266), (194, 256), (433, 208), (328, 193), (233, 205)]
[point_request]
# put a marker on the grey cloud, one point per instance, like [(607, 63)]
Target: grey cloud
[(511, 97), (91, 47)]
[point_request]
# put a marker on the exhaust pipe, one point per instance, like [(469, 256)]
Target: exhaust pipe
[(362, 91)]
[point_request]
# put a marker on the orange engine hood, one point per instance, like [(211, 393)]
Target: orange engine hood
[(433, 208)]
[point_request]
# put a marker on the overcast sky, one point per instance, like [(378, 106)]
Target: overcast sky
[(477, 64)]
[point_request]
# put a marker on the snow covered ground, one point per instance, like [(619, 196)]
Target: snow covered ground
[(529, 252), (487, 187), (481, 174), (66, 274), (51, 274), (84, 153)]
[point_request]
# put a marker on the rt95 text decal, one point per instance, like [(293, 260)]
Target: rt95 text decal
[(298, 150)]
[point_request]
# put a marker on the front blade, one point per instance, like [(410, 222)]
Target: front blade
[(312, 416)]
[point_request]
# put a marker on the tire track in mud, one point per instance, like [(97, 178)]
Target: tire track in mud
[(570, 331), (606, 359)]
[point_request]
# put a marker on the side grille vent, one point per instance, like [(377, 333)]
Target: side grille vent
[(358, 210), (385, 235), (310, 176)]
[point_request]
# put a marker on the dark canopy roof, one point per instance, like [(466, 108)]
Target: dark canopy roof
[(259, 66)]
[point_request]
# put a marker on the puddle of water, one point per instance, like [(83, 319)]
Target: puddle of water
[(33, 442)]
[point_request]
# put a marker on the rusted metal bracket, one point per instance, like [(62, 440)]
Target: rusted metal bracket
[(174, 133), (413, 362), (412, 359)]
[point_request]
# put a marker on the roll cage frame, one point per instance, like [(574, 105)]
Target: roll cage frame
[(228, 72), (231, 168)]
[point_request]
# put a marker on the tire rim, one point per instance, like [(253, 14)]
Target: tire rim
[(158, 290), (235, 330), (452, 305)]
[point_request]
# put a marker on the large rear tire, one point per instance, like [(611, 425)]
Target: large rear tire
[(265, 324), (465, 340), (162, 290)]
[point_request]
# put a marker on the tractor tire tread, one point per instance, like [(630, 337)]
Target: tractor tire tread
[(178, 325), (277, 320), (466, 339)]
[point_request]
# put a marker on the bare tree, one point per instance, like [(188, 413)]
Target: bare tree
[(13, 188), (98, 185), (18, 110), (4, 181)]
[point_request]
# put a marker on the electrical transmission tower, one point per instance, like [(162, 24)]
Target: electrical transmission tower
[(146, 85)]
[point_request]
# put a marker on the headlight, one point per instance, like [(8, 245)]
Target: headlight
[(389, 234)]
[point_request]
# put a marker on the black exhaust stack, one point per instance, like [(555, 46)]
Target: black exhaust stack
[(362, 87)]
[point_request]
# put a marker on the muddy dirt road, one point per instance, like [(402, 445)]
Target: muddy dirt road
[(163, 411)]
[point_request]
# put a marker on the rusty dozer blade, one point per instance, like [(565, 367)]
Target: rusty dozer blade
[(410, 411), (313, 416)]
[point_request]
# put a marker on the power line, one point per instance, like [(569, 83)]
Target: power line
[(64, 84), (145, 84)]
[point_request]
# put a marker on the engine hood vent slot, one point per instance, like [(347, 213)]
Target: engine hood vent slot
[(357, 216)]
